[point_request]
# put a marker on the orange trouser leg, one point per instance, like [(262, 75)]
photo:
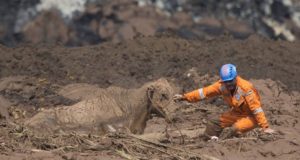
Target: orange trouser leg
[(245, 124), (242, 123)]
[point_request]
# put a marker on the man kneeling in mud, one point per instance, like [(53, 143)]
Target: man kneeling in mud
[(246, 112)]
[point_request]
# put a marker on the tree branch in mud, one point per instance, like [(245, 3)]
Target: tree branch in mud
[(184, 152)]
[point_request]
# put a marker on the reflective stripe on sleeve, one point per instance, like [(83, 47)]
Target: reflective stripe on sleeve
[(248, 93), (201, 93), (258, 110)]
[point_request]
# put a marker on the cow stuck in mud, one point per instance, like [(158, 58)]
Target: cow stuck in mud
[(106, 110)]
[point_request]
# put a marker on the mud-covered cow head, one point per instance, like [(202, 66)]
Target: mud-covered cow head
[(160, 95)]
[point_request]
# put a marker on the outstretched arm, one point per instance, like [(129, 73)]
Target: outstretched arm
[(199, 94)]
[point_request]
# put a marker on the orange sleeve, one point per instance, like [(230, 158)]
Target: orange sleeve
[(202, 93), (253, 101), (212, 90), (192, 96)]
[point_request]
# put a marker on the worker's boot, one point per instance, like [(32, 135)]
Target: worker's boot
[(227, 133)]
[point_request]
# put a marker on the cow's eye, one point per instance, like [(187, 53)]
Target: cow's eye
[(164, 96)]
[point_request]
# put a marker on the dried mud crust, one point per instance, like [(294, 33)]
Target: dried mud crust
[(272, 67), (178, 140)]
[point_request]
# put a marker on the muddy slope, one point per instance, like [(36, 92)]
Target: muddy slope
[(134, 62)]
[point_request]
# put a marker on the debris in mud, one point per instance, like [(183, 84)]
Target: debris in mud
[(52, 71), (82, 22)]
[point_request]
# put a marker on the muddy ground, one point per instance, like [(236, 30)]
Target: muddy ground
[(273, 67)]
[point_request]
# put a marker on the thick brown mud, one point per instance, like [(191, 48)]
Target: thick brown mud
[(32, 78)]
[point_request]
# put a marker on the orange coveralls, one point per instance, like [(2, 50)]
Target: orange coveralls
[(246, 112)]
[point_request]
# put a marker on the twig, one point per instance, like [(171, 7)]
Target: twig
[(240, 146), (234, 139), (149, 146), (38, 150), (124, 155), (135, 144), (64, 148), (54, 150), (204, 156), (124, 146), (181, 135), (193, 146)]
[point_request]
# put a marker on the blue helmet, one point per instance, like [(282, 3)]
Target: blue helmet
[(228, 72)]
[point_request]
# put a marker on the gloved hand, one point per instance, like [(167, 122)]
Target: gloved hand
[(214, 138), (178, 97)]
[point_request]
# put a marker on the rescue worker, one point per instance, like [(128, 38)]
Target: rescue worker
[(246, 112)]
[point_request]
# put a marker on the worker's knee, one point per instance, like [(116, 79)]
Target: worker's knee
[(245, 125)]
